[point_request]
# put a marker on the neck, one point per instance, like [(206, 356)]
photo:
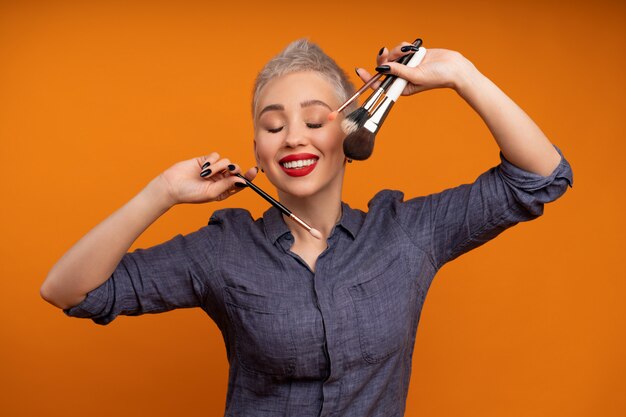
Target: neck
[(321, 211)]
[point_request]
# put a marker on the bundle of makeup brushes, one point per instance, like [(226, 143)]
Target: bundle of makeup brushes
[(362, 125)]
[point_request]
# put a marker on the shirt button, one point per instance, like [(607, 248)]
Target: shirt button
[(288, 236)]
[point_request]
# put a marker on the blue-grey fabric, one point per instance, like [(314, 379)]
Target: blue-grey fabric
[(337, 342)]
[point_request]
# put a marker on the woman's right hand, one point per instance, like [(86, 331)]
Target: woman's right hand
[(92, 260), (183, 182)]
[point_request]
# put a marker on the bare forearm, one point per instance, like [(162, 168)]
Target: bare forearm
[(95, 256), (519, 138), (521, 141)]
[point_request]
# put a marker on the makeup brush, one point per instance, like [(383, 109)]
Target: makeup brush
[(332, 116), (359, 144), (314, 232), (356, 119)]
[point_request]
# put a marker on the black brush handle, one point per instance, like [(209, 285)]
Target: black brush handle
[(402, 60), (266, 196)]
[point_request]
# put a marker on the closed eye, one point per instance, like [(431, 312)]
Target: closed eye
[(275, 130), (314, 125)]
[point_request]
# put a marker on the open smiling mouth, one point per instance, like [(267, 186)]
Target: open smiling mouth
[(298, 165)]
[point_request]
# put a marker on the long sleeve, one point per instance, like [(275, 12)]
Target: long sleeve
[(162, 278), (454, 221)]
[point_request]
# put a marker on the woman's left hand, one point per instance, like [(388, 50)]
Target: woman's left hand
[(440, 68)]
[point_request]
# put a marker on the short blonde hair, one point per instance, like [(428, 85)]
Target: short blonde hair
[(302, 55)]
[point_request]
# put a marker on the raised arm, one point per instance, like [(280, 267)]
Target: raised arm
[(91, 261), (531, 173), (519, 138)]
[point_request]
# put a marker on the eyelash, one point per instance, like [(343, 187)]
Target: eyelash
[(309, 125)]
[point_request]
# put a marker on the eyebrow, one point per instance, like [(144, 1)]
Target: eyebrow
[(309, 103), (272, 107), (280, 107)]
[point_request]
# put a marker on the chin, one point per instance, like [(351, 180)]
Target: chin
[(307, 186), (300, 191)]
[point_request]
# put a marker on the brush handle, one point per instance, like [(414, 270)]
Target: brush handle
[(382, 110), (373, 99), (402, 60), (398, 85), (266, 196), (314, 232), (359, 92), (391, 78)]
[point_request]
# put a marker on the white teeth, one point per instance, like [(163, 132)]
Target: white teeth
[(299, 164)]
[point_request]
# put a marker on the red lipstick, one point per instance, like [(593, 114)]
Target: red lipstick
[(294, 170)]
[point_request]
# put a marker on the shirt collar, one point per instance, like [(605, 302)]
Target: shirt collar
[(351, 220), (275, 227)]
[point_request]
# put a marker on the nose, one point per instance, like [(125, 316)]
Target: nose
[(296, 136)]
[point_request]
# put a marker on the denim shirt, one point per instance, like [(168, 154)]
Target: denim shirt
[(337, 341)]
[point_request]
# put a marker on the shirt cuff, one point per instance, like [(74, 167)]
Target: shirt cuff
[(531, 181), (91, 306)]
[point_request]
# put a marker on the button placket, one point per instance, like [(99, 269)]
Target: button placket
[(329, 389)]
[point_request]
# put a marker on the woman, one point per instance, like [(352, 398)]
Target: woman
[(312, 327)]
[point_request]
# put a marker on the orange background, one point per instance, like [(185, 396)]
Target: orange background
[(96, 100)]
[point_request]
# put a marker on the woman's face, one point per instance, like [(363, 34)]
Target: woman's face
[(299, 149)]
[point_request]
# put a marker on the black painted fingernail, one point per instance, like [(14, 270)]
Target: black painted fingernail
[(356, 70), (231, 167), (381, 51), (240, 185), (407, 48), (205, 173), (206, 164), (383, 68)]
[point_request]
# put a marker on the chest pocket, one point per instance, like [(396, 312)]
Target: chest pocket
[(384, 308), (264, 340)]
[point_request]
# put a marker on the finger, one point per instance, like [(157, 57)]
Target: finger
[(412, 75), (232, 169), (365, 76), (207, 160), (215, 170), (237, 186), (240, 184), (251, 173), (224, 187), (382, 56), (397, 52)]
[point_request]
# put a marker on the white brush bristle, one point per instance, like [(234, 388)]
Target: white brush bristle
[(348, 126), (354, 120)]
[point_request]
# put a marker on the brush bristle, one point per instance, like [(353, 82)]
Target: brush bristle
[(359, 144), (316, 234), (348, 126), (354, 120)]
